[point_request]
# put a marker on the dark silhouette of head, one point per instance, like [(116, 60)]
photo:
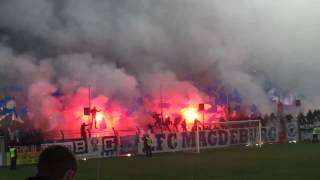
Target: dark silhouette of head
[(57, 163)]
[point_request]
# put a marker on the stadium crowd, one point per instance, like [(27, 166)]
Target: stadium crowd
[(177, 123), (21, 135)]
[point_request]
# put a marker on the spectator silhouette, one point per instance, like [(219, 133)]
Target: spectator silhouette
[(310, 117), (301, 118), (56, 163)]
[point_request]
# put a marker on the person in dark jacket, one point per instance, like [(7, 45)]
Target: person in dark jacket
[(83, 131)]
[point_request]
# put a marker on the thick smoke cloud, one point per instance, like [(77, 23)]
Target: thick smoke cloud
[(70, 74), (124, 48)]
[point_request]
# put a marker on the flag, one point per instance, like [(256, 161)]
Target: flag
[(5, 101), (8, 107)]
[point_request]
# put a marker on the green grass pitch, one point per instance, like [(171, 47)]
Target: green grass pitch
[(271, 162)]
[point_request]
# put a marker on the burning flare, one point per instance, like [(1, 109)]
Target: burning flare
[(190, 114)]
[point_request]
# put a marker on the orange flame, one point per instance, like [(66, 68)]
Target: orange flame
[(99, 116), (190, 114)]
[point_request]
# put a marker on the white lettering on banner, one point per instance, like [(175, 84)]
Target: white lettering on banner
[(109, 146), (169, 142), (94, 144), (95, 147), (269, 134), (80, 146)]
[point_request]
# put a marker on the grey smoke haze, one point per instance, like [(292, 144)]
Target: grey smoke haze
[(125, 43)]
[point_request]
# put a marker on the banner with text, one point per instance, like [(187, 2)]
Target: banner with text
[(90, 148), (180, 141)]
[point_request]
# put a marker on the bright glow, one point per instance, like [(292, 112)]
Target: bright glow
[(293, 141), (129, 155), (259, 145), (84, 159), (99, 116), (190, 114)]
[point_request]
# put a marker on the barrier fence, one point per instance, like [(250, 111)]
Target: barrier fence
[(131, 143)]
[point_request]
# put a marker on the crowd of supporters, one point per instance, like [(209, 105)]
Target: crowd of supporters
[(177, 123), (310, 119)]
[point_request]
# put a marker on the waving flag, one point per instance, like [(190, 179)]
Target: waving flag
[(5, 101), (8, 107)]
